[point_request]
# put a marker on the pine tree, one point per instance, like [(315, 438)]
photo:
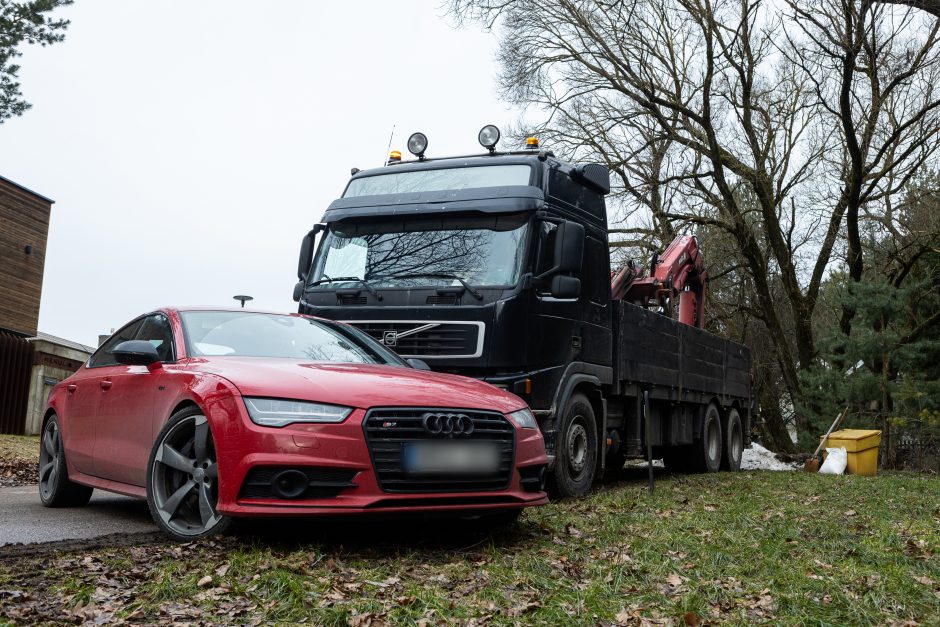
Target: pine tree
[(23, 22)]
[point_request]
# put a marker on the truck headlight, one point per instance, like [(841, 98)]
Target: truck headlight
[(275, 412), (524, 419)]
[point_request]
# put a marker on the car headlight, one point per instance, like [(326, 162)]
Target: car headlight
[(524, 419), (273, 412)]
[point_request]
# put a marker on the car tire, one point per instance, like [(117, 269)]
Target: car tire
[(706, 451), (55, 487), (182, 478), (575, 450), (733, 441)]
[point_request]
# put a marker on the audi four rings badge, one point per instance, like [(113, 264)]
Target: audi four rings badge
[(447, 424)]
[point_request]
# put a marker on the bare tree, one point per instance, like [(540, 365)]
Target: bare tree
[(776, 124)]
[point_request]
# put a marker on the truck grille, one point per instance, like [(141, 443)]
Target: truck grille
[(387, 430), (426, 339)]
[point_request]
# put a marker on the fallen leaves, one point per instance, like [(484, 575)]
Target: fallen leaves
[(18, 472), (579, 562)]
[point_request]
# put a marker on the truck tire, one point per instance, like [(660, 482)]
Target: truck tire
[(733, 441), (706, 451), (575, 450)]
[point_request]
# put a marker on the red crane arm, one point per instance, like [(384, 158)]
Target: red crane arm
[(679, 272)]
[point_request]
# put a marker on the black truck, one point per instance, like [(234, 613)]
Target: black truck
[(497, 266)]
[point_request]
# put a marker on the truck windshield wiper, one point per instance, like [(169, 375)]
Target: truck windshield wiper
[(439, 275), (351, 279)]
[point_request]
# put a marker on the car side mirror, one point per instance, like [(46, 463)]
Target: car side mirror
[(298, 290), (306, 251), (569, 247), (135, 353), (418, 364), (565, 286)]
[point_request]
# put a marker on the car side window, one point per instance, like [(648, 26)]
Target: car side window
[(156, 330), (103, 356)]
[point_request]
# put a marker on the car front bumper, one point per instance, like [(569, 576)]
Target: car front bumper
[(244, 447)]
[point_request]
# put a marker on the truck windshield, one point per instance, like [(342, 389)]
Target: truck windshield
[(438, 180), (483, 252)]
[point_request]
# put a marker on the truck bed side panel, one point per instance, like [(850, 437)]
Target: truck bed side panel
[(652, 349)]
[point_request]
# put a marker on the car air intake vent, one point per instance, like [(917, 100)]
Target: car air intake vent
[(389, 431), (449, 299), (270, 482), (351, 300)]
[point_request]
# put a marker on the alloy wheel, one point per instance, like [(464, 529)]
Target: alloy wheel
[(184, 478), (49, 454)]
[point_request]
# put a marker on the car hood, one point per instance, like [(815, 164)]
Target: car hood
[(355, 385)]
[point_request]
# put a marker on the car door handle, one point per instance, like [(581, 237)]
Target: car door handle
[(105, 385), (71, 387)]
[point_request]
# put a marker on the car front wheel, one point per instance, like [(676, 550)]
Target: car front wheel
[(183, 478)]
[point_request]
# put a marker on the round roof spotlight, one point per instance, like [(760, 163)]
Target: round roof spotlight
[(417, 144), (489, 136)]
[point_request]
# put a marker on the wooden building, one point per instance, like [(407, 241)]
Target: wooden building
[(24, 227)]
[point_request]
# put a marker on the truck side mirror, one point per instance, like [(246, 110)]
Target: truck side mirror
[(306, 251), (565, 286), (569, 248)]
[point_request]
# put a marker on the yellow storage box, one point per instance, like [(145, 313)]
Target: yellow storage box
[(861, 446)]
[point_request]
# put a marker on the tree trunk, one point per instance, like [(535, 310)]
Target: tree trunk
[(773, 430)]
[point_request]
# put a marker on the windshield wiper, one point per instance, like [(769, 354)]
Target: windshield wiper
[(351, 279), (440, 275)]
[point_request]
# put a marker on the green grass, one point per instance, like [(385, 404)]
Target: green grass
[(743, 548), (19, 448)]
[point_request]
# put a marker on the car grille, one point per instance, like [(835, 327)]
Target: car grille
[(436, 339), (387, 430)]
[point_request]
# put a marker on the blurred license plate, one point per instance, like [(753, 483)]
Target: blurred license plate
[(450, 457)]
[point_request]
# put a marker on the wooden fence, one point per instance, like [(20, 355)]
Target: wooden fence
[(16, 361)]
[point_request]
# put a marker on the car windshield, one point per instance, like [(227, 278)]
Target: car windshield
[(409, 182), (475, 252), (251, 334)]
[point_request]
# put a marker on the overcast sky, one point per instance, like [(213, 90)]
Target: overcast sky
[(190, 145)]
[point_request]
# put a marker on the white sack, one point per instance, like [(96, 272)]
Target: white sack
[(836, 461)]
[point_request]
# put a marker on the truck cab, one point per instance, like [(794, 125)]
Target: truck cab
[(494, 266)]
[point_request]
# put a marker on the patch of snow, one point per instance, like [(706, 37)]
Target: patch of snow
[(759, 458)]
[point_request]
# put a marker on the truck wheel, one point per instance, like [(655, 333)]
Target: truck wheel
[(706, 452), (575, 450), (734, 442)]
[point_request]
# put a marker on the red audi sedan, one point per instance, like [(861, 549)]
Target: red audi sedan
[(213, 414)]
